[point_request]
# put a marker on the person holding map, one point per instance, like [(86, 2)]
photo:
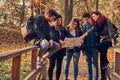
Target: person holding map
[(74, 31)]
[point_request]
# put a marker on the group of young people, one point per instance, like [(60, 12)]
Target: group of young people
[(51, 38)]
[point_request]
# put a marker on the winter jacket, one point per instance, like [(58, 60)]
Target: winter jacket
[(79, 33), (42, 31)]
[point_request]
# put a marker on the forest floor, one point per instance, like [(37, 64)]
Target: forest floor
[(82, 74), (11, 39)]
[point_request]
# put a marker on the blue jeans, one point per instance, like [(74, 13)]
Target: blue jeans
[(92, 58), (44, 48), (76, 56)]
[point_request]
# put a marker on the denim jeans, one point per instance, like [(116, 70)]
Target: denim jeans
[(44, 48), (76, 56), (92, 58)]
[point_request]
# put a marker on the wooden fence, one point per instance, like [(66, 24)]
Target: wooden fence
[(16, 63), (114, 74)]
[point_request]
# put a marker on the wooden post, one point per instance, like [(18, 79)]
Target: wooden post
[(43, 72), (107, 73), (117, 62), (16, 68), (33, 59)]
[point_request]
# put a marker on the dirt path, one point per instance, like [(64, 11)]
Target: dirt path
[(82, 74)]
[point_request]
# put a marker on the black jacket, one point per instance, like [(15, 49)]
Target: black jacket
[(79, 33), (42, 28), (57, 35), (105, 30)]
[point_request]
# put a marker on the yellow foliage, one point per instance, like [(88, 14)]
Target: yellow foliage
[(36, 1)]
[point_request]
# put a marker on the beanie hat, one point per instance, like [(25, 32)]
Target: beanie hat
[(58, 16)]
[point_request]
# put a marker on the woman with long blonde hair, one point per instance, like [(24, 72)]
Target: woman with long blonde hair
[(58, 34), (74, 30)]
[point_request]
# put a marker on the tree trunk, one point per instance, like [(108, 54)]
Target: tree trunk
[(37, 8), (66, 12), (32, 7), (86, 7), (42, 7), (70, 10), (22, 14), (97, 5)]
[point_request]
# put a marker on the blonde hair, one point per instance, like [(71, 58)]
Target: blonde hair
[(72, 22), (56, 22)]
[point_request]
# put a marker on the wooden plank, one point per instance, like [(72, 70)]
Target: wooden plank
[(16, 68), (107, 74), (15, 53), (113, 74), (117, 50), (44, 72), (117, 61), (33, 74), (33, 59)]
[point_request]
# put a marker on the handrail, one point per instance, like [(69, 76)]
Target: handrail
[(114, 73), (15, 53), (16, 60), (117, 61)]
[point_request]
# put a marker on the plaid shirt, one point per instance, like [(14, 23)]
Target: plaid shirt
[(89, 41)]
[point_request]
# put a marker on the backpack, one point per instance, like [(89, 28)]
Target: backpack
[(114, 32), (28, 30)]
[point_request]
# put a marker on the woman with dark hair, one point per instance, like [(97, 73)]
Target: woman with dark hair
[(58, 34), (74, 30), (106, 39)]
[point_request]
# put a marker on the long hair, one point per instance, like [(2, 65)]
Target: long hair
[(72, 22), (56, 23), (91, 22), (101, 18)]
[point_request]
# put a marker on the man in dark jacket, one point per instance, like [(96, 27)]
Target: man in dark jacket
[(43, 39)]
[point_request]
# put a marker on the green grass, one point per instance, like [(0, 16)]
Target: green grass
[(6, 68)]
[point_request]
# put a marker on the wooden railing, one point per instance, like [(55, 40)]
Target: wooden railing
[(16, 63), (114, 74)]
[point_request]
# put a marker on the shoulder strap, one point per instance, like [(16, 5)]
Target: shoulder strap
[(110, 28)]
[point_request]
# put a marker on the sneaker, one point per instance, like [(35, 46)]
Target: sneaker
[(38, 64), (41, 63), (105, 65)]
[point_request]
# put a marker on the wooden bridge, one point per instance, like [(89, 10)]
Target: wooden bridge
[(112, 74)]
